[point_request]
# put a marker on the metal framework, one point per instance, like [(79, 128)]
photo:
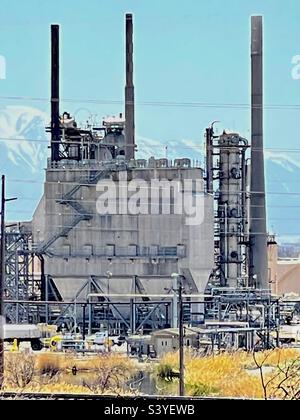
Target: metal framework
[(103, 309), (256, 307), (21, 283)]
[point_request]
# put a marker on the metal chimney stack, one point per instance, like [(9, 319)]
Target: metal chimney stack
[(258, 271), (129, 92), (55, 130)]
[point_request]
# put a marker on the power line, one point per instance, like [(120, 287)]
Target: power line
[(171, 144), (150, 185), (143, 147), (34, 181), (156, 103), (70, 214), (58, 198), (92, 229), (51, 214)]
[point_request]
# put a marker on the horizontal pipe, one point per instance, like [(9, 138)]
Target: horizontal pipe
[(137, 295)]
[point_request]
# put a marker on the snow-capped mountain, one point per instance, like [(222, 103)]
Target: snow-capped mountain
[(22, 133), (24, 150), (283, 198)]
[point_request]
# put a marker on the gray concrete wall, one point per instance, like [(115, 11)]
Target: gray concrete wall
[(87, 250)]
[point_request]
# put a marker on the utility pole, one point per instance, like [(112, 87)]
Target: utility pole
[(181, 340), (178, 322), (2, 277)]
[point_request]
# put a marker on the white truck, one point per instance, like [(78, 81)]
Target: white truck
[(101, 338), (23, 333), (290, 334)]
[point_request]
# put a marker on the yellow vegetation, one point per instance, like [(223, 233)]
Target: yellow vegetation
[(45, 372), (65, 362), (229, 374), (268, 374)]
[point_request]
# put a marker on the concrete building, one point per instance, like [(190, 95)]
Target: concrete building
[(166, 341), (284, 273), (140, 252)]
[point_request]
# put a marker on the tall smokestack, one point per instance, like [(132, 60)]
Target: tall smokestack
[(55, 131), (209, 160), (129, 91), (258, 271)]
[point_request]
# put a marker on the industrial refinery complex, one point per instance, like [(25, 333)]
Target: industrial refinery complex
[(157, 253)]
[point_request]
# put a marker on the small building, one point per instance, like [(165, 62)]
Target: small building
[(167, 340), (289, 334), (139, 345), (284, 273)]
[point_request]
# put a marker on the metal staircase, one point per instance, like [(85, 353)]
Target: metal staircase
[(68, 199)]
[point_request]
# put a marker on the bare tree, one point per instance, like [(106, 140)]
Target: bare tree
[(289, 386), (284, 383), (19, 370), (109, 375)]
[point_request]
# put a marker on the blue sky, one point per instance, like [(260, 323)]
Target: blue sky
[(186, 52), (192, 51)]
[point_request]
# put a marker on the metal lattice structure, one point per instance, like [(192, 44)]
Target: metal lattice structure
[(256, 307), (21, 282)]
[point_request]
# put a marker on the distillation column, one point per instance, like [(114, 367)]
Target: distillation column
[(230, 208)]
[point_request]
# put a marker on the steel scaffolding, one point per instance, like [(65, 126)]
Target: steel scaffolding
[(21, 283)]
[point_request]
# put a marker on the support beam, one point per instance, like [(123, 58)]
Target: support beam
[(55, 130), (129, 92), (258, 272)]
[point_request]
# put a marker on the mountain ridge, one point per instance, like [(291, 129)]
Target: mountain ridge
[(24, 151)]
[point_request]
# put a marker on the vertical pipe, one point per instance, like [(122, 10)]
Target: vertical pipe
[(134, 305), (167, 315), (258, 274), (47, 299), (43, 277), (181, 341), (244, 187), (224, 280), (108, 308), (277, 323), (129, 92), (90, 308), (132, 317), (17, 271), (83, 322), (209, 160), (175, 303), (2, 279), (55, 130)]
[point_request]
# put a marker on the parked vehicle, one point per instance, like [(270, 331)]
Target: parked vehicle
[(23, 333), (101, 338)]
